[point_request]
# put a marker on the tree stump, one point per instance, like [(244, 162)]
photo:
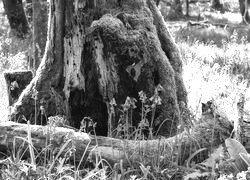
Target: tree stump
[(16, 82), (100, 50)]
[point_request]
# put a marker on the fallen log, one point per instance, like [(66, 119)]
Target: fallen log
[(207, 134)]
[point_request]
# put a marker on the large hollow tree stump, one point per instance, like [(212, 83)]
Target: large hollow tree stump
[(99, 51), (16, 82)]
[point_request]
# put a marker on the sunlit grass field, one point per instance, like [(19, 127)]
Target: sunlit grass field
[(216, 73)]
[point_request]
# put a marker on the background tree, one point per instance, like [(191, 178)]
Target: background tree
[(100, 50), (177, 8), (244, 5), (39, 31), (16, 16), (157, 2), (187, 8), (37, 14), (217, 5)]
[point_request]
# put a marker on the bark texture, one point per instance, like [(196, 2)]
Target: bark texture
[(100, 50), (16, 16), (208, 135)]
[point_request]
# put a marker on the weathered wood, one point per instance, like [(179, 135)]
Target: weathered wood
[(16, 82), (99, 51), (205, 135)]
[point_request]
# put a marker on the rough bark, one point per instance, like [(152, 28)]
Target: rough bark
[(205, 135), (244, 12), (28, 10), (97, 51), (16, 16)]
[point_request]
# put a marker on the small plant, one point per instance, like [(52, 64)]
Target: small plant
[(88, 125), (125, 123), (34, 96), (145, 128), (111, 118)]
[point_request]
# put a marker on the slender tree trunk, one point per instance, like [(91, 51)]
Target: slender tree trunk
[(16, 16), (216, 4), (40, 18), (157, 2), (175, 12), (28, 10), (187, 8), (101, 54), (244, 13), (178, 7)]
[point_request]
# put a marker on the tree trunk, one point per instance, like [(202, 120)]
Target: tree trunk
[(244, 12), (100, 50), (216, 4), (187, 8), (40, 18), (157, 2), (175, 12), (177, 8), (16, 16), (28, 10), (37, 15), (178, 148)]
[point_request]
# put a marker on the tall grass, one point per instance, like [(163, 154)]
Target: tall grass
[(211, 72)]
